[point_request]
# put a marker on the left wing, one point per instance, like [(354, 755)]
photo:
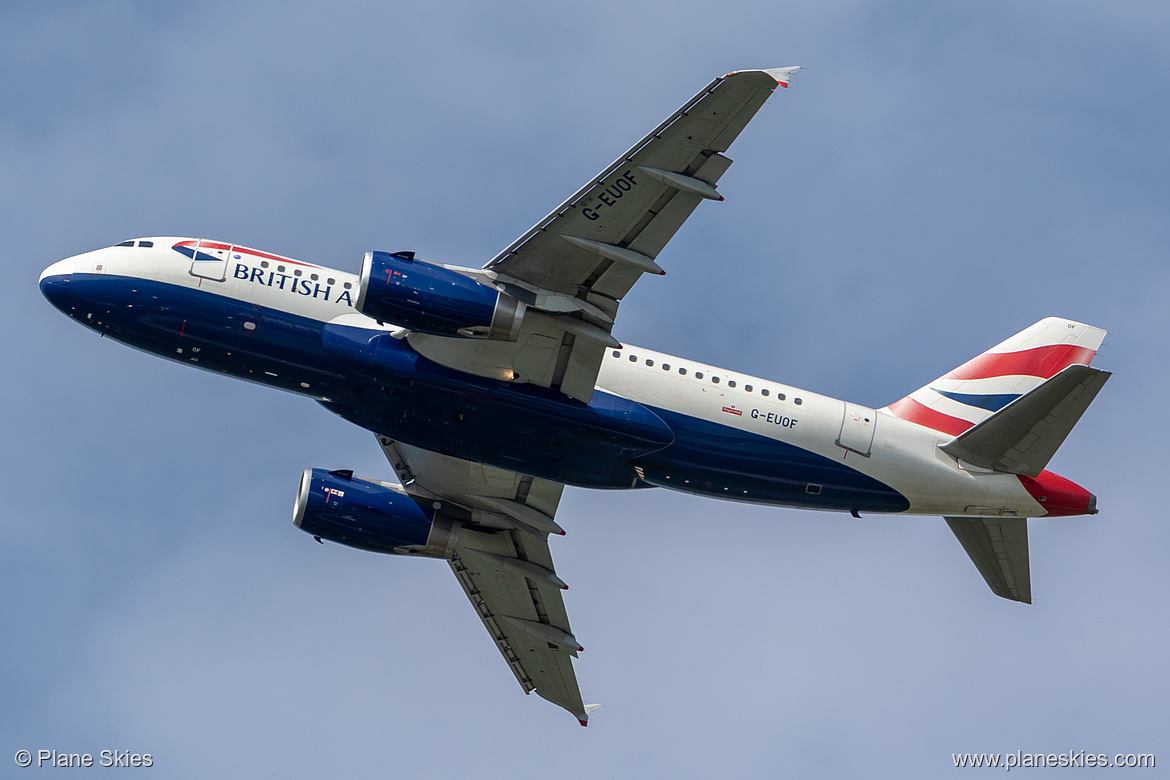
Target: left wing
[(597, 243), (501, 558), (574, 266)]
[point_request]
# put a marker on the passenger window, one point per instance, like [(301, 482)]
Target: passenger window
[(280, 268), (715, 380), (330, 281), (747, 388), (263, 263), (314, 277), (683, 371), (764, 392), (649, 362), (698, 375), (780, 396), (666, 366), (731, 383), (297, 272), (797, 402), (633, 358), (348, 285), (616, 353)]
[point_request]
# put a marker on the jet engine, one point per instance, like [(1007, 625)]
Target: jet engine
[(368, 515), (428, 298)]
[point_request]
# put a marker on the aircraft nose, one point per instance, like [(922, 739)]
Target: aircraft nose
[(59, 268), (54, 281)]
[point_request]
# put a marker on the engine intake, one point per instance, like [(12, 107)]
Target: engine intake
[(431, 299), (374, 516)]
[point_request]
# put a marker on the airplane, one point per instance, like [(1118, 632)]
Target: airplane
[(490, 389)]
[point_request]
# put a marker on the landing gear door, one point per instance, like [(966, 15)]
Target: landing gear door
[(857, 428), (210, 260)]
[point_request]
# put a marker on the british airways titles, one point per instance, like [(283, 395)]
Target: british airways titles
[(292, 283)]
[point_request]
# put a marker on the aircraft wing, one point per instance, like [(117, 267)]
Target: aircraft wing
[(501, 558), (597, 243), (574, 266)]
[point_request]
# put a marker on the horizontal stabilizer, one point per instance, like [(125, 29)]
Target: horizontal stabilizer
[(1024, 435), (999, 548)]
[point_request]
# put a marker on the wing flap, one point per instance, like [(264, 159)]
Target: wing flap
[(582, 368), (555, 352), (998, 546)]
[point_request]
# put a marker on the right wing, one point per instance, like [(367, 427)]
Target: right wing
[(502, 560)]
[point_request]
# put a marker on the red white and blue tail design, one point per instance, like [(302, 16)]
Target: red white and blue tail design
[(983, 385)]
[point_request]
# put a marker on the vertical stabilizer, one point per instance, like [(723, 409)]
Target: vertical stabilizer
[(982, 386)]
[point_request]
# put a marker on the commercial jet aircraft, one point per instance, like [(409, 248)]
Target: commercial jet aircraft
[(490, 389)]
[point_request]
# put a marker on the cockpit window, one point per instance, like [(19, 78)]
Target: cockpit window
[(125, 243), (139, 243), (145, 243)]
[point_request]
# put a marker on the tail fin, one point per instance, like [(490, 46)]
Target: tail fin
[(981, 387)]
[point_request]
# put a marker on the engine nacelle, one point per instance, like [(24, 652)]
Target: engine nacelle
[(368, 515), (428, 298)]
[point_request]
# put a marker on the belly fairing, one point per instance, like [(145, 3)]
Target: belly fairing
[(522, 427), (724, 462)]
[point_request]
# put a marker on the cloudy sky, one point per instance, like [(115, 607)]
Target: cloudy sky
[(941, 176)]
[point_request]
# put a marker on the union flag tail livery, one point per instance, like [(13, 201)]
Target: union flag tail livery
[(984, 385), (490, 389), (1008, 410)]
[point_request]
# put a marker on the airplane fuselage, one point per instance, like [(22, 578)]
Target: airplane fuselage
[(654, 419)]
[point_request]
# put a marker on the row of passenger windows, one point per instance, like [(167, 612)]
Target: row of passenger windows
[(714, 379), (297, 272)]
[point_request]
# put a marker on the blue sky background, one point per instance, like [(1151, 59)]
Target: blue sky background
[(941, 176)]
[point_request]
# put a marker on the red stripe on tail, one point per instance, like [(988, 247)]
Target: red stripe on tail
[(911, 411), (1043, 362)]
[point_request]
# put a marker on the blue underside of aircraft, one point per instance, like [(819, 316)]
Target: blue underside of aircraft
[(381, 384)]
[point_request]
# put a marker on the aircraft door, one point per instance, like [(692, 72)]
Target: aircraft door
[(857, 428), (210, 260)]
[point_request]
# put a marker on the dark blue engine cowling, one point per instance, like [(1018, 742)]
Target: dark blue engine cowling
[(428, 298), (337, 506)]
